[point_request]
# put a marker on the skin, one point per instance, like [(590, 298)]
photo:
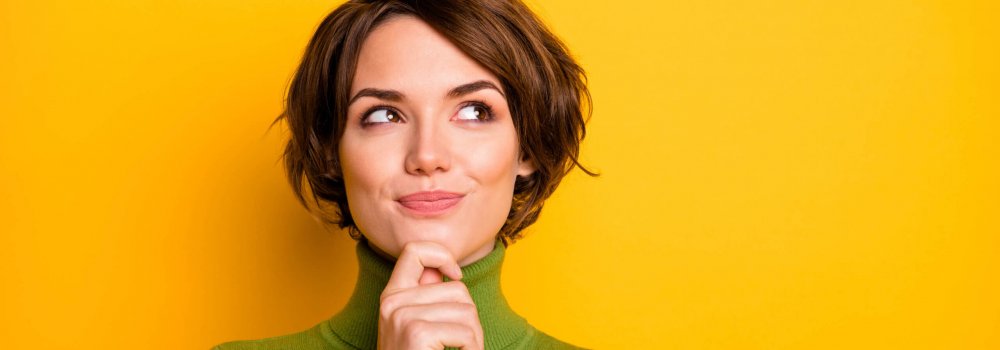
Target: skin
[(425, 139)]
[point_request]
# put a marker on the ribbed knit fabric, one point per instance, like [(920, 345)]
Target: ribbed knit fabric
[(356, 326)]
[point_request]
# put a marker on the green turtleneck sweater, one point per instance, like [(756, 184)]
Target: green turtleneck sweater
[(356, 326)]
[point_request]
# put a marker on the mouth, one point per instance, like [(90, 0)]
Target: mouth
[(430, 203)]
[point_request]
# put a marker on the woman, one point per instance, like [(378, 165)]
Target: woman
[(437, 128)]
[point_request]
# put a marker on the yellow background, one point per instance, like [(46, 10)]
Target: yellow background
[(776, 175)]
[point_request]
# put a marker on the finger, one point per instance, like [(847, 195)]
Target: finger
[(457, 313), (436, 335), (445, 292), (415, 257), (430, 276)]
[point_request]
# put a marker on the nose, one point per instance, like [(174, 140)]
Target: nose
[(428, 152)]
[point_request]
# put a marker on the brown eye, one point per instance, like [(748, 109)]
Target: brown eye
[(474, 113), (382, 115)]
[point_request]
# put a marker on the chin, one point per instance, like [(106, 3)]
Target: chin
[(449, 237), (460, 238)]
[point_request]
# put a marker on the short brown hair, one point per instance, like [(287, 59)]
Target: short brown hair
[(545, 88)]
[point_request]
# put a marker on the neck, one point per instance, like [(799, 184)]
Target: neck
[(357, 323)]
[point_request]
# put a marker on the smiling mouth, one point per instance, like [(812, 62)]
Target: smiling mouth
[(430, 203)]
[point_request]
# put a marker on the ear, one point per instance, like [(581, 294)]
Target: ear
[(525, 166)]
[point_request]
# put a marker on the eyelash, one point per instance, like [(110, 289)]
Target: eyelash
[(478, 103), (485, 106)]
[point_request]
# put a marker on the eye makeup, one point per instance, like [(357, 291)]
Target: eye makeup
[(481, 104), (389, 109), (486, 108)]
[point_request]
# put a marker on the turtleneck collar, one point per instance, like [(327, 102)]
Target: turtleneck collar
[(357, 323)]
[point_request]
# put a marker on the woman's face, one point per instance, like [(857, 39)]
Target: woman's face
[(429, 152)]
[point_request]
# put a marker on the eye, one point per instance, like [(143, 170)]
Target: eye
[(381, 115), (475, 112)]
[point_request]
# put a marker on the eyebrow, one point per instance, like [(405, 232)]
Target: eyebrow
[(396, 96)]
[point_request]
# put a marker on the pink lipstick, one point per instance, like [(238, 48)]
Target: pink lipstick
[(430, 203)]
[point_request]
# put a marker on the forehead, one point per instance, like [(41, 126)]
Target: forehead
[(405, 53)]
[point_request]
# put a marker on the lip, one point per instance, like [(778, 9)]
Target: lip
[(430, 203)]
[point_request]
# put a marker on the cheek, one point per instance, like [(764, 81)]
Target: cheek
[(357, 172), (366, 167), (493, 163)]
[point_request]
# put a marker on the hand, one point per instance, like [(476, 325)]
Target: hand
[(418, 310)]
